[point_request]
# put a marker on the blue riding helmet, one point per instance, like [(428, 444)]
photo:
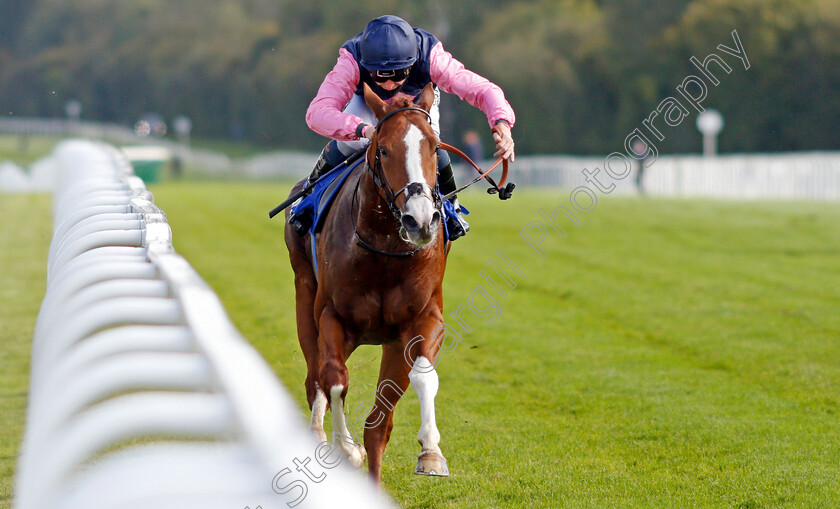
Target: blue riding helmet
[(388, 43)]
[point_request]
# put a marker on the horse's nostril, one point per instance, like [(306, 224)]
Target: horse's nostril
[(436, 218), (409, 222)]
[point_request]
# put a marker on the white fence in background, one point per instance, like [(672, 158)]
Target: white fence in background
[(33, 126), (143, 394), (803, 176), (206, 162)]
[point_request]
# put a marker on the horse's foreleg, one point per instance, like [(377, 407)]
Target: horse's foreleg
[(393, 381), (424, 379), (335, 377)]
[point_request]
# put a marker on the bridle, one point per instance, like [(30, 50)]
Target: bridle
[(381, 181)]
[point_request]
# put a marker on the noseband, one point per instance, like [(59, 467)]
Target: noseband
[(413, 188)]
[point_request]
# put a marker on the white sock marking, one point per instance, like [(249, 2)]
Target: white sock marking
[(319, 409), (424, 379), (341, 435)]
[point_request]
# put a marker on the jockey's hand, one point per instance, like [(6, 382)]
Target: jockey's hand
[(504, 141), (368, 132)]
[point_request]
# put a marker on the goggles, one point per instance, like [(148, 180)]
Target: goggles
[(392, 75)]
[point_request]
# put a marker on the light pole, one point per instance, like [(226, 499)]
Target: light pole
[(73, 110), (710, 123), (183, 127)]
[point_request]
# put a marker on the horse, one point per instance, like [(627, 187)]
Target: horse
[(381, 257)]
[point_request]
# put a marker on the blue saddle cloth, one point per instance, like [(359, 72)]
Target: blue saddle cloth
[(317, 203)]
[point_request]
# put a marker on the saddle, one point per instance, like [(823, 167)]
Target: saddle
[(309, 212)]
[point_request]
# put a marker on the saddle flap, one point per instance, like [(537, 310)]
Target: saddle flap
[(328, 195), (316, 204)]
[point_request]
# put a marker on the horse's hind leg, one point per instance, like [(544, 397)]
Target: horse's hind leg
[(341, 434), (335, 378), (308, 336), (305, 290), (319, 409)]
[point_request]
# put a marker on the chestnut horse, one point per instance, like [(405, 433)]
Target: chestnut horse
[(380, 264)]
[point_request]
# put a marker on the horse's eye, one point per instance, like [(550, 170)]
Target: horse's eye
[(383, 152)]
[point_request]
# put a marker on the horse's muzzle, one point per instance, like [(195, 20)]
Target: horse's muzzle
[(420, 220)]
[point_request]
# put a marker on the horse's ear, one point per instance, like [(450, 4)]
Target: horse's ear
[(427, 97), (373, 101)]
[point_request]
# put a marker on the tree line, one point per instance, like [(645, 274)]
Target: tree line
[(581, 74)]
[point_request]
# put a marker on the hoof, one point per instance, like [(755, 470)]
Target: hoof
[(356, 455), (432, 463)]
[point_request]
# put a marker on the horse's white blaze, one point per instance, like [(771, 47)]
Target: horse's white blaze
[(413, 161), (420, 207), (424, 379), (319, 409), (341, 435)]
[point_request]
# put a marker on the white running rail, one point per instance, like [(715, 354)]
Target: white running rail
[(143, 394)]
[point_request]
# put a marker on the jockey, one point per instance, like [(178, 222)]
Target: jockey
[(396, 60)]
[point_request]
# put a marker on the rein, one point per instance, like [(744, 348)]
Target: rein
[(504, 188)]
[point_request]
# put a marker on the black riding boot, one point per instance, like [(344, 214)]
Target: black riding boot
[(456, 225), (330, 157), (322, 166)]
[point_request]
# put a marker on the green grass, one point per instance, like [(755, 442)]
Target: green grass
[(233, 149), (666, 353), (24, 150), (24, 240)]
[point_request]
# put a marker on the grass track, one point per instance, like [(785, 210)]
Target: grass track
[(664, 354), (25, 233), (24, 150)]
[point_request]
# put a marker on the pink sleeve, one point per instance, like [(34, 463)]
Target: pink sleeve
[(324, 115), (451, 76)]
